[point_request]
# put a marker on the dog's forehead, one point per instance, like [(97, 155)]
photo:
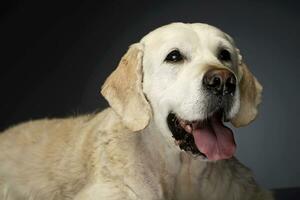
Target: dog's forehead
[(185, 32)]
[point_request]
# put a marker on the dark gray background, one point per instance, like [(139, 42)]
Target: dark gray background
[(56, 56)]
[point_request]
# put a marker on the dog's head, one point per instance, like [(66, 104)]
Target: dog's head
[(188, 79)]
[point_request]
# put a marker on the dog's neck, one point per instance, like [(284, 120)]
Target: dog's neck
[(161, 147)]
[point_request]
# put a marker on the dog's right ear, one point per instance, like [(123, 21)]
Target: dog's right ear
[(124, 93), (250, 97)]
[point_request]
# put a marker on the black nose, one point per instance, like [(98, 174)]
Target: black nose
[(220, 82)]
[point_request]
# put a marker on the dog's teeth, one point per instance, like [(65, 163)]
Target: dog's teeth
[(182, 123), (188, 128)]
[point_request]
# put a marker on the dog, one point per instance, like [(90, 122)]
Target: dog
[(163, 136)]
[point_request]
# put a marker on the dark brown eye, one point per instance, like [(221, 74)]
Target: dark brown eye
[(224, 55), (174, 56)]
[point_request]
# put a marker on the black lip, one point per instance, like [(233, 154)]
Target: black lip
[(186, 140)]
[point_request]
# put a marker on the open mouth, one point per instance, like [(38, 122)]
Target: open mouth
[(209, 138)]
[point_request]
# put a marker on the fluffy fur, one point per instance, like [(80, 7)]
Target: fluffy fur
[(127, 150)]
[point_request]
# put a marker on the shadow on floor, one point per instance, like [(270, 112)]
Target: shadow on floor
[(287, 193)]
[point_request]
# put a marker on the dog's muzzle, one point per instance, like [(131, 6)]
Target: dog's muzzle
[(209, 136)]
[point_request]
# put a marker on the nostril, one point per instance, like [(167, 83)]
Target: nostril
[(215, 82), (230, 85), (231, 80)]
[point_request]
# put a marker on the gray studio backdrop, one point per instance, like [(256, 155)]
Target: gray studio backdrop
[(266, 32)]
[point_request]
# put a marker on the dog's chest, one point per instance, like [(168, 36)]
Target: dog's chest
[(212, 181), (188, 184)]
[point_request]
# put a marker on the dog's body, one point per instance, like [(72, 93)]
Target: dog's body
[(127, 151)]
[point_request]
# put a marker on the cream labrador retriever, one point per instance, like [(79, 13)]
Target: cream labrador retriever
[(163, 136)]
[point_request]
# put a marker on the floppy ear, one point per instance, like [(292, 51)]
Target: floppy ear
[(123, 90), (250, 97)]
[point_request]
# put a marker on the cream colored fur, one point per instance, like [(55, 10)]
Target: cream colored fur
[(126, 151)]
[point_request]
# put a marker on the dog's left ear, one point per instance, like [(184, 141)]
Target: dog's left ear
[(250, 96), (124, 93)]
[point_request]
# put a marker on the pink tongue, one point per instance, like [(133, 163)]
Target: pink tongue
[(215, 140)]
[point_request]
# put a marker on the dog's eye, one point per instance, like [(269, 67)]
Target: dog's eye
[(224, 55), (174, 56)]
